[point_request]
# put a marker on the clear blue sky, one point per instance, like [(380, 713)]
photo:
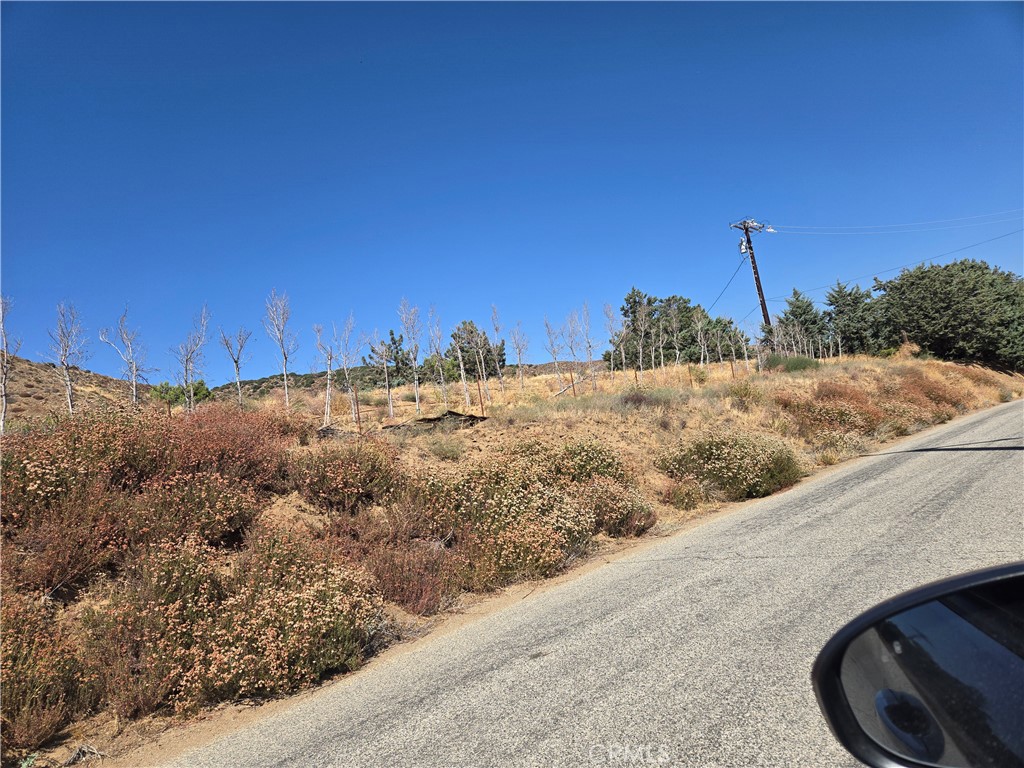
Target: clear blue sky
[(528, 155)]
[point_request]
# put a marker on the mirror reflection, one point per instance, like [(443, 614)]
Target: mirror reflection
[(943, 683)]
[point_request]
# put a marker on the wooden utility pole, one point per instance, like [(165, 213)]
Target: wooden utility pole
[(747, 226)]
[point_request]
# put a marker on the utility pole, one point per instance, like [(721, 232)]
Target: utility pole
[(746, 246)]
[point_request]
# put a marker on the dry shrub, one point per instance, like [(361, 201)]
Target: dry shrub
[(179, 631), (395, 546), (343, 479), (43, 686), (618, 510), (583, 460), (738, 466), (204, 504), (240, 445), (58, 547), (684, 493), (919, 388)]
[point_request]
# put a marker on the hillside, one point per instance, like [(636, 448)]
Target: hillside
[(240, 534), (36, 391)]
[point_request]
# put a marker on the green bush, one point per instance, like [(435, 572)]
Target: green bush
[(738, 466), (789, 364)]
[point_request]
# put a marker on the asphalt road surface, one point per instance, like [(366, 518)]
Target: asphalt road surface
[(693, 652)]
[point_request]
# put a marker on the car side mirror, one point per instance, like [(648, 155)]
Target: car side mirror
[(933, 677)]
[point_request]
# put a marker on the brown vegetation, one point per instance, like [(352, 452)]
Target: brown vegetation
[(155, 564)]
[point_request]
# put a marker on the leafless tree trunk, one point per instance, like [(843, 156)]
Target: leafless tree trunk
[(235, 347), (276, 325), (328, 349), (412, 330), (68, 346), (462, 372), (437, 352), (573, 342), (189, 355), (642, 323), (554, 346), (613, 325), (700, 325), (589, 344), (130, 352), (519, 343), (8, 349), (349, 357), (494, 346)]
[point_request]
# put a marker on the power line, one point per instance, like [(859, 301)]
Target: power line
[(742, 262), (893, 269), (783, 231), (910, 224)]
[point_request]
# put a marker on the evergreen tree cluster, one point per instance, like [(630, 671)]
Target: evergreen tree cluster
[(965, 311)]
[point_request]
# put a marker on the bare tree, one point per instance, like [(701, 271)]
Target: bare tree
[(130, 352), (642, 324), (235, 347), (437, 352), (616, 336), (189, 355), (589, 344), (494, 346), (276, 324), (519, 343), (328, 349), (349, 354), (571, 334), (68, 346), (700, 327), (8, 349), (462, 371), (412, 330), (554, 345)]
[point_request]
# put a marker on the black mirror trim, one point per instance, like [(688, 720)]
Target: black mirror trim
[(825, 673)]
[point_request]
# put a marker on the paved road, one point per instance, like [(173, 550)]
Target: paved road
[(694, 652)]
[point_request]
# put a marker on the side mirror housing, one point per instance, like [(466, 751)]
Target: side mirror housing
[(933, 677)]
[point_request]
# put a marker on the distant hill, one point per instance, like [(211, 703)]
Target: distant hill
[(36, 391)]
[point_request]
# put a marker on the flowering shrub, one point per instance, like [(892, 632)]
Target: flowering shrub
[(179, 631), (240, 445), (43, 684), (618, 510), (205, 504), (343, 479), (582, 460), (532, 511), (60, 545), (738, 466)]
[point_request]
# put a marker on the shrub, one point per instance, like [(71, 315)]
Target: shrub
[(446, 447), (178, 631), (204, 504), (43, 686), (738, 465), (774, 362), (582, 460), (684, 493), (58, 547), (617, 510), (241, 445), (344, 479)]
